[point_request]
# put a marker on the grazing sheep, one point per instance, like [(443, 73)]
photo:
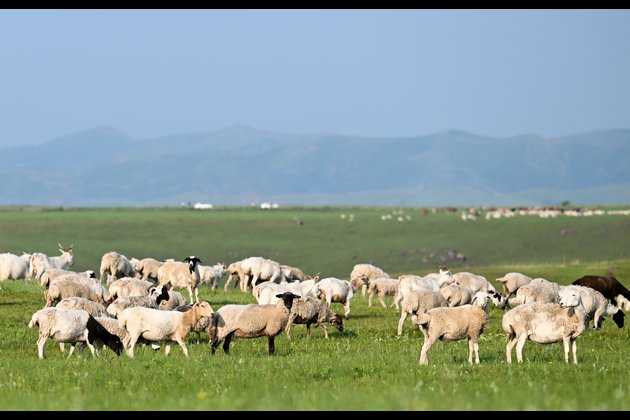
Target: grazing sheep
[(432, 281), (182, 274), (251, 321), (70, 326), (146, 268), (361, 272), (595, 305), (128, 286), (211, 274), (332, 289), (93, 308), (456, 323), (294, 273), (511, 282), (236, 272), (157, 325), (261, 269), (610, 287), (474, 282), (265, 292), (203, 324), (175, 299), (14, 267), (153, 300), (538, 291), (623, 303), (545, 323), (417, 302), (115, 266), (383, 287), (51, 274), (60, 289), (312, 311)]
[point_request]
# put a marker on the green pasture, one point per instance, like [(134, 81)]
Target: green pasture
[(365, 367)]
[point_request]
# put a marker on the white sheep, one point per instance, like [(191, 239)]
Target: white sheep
[(545, 323), (432, 281), (251, 321), (332, 289), (115, 266), (128, 286), (417, 302), (146, 268), (70, 326), (293, 273), (261, 269), (595, 305), (157, 325), (265, 292), (236, 272), (362, 274), (93, 308), (14, 267), (40, 262), (211, 274), (538, 292), (511, 282), (175, 299), (51, 274), (383, 287), (182, 274), (457, 295), (60, 289), (312, 311), (153, 300), (474, 282), (455, 323)]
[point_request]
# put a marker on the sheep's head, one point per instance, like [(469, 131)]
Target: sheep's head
[(192, 262), (570, 299), (619, 317), (203, 308), (160, 293), (496, 298), (337, 321), (287, 298)]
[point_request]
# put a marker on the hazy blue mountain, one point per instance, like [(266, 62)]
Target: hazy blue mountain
[(240, 165)]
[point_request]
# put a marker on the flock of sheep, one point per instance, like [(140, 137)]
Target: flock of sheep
[(140, 305)]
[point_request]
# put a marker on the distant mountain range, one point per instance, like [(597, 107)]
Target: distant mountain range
[(240, 165)]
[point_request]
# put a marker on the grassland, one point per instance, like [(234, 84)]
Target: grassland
[(365, 367)]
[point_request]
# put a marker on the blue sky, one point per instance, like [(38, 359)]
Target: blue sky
[(357, 72)]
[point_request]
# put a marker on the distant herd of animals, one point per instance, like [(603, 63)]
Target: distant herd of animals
[(134, 301)]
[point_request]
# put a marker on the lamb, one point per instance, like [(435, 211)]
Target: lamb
[(456, 323), (211, 274), (610, 287), (511, 282), (70, 326), (146, 268), (312, 311), (157, 325), (184, 275), (418, 302), (332, 289), (41, 262), (14, 267), (362, 271), (115, 266), (383, 287), (545, 323), (153, 301), (251, 321)]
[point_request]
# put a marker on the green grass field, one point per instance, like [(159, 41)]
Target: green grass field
[(365, 367)]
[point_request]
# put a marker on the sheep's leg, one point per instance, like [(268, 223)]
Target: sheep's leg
[(62, 347), (131, 343), (196, 294), (190, 292), (473, 346), (40, 345), (371, 298), (167, 347), (71, 350), (325, 330), (470, 351), (574, 346), (214, 284), (272, 347), (346, 307), (519, 347), (381, 298), (566, 343), (182, 344), (216, 344), (308, 330), (226, 343), (424, 360), (363, 289), (403, 316), (227, 283), (91, 347), (510, 345)]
